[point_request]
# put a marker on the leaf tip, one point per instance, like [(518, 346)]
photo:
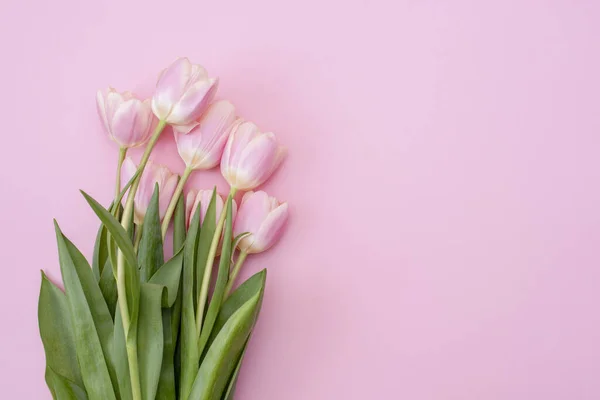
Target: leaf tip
[(56, 227)]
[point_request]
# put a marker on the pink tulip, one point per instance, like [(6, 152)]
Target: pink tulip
[(183, 92), (202, 198), (203, 146), (152, 175), (263, 217), (128, 120), (250, 156)]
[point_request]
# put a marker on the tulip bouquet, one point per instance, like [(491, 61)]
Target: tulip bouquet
[(133, 326)]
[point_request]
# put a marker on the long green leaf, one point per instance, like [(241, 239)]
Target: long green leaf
[(150, 254), (108, 287), (94, 369), (189, 345), (123, 241), (166, 383), (224, 352), (169, 276), (230, 392), (207, 232), (119, 198), (219, 290), (63, 388), (179, 225), (114, 227), (100, 253), (150, 340), (98, 307), (57, 332), (243, 293), (253, 285), (179, 233), (120, 360), (239, 297)]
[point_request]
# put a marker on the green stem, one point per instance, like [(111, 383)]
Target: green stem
[(171, 209), (134, 370), (209, 264), (122, 154), (234, 273), (121, 287)]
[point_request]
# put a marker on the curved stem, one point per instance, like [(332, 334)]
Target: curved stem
[(171, 209), (122, 154), (234, 273), (134, 187), (209, 264), (121, 287)]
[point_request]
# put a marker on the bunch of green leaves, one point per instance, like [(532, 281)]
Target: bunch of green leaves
[(82, 328)]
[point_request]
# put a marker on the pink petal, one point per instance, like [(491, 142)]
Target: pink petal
[(271, 229)]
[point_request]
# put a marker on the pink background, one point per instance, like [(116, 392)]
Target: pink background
[(443, 176)]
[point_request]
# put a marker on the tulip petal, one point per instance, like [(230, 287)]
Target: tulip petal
[(193, 102), (128, 169), (271, 229)]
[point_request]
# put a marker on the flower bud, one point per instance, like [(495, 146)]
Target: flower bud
[(153, 174), (263, 217), (183, 92), (128, 120), (250, 156)]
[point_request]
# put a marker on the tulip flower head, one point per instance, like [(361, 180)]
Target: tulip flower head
[(263, 217), (250, 156), (203, 146), (201, 198), (183, 92), (153, 174), (128, 120)]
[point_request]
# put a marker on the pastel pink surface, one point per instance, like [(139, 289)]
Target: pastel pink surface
[(443, 181)]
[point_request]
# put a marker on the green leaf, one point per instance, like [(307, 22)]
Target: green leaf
[(95, 299), (56, 331), (114, 227), (253, 285), (189, 343), (111, 249), (239, 297), (49, 378), (99, 308), (224, 352), (179, 232), (131, 273), (150, 338), (219, 291), (100, 253), (243, 293), (63, 388), (120, 358), (150, 254), (169, 276), (90, 354), (179, 227), (119, 198), (111, 245), (108, 287), (230, 392), (209, 225), (166, 383)]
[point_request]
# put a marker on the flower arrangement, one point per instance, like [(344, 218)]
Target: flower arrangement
[(133, 326)]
